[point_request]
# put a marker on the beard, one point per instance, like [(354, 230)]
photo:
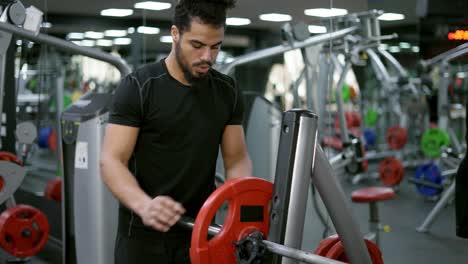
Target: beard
[(187, 71)]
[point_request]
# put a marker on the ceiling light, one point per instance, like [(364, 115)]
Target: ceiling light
[(461, 75), (46, 25), (76, 42), (415, 49), (122, 41), (394, 49), (383, 46), (74, 35), (116, 12), (115, 33), (94, 35), (88, 43), (325, 12), (148, 30), (150, 5), (166, 39), (131, 30), (391, 17), (237, 21), (317, 29), (104, 42), (405, 45), (274, 17)]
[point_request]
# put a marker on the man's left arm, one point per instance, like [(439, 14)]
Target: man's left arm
[(237, 162)]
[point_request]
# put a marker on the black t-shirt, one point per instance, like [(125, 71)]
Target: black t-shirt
[(181, 128)]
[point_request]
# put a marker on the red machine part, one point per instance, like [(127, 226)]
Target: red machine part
[(243, 193), (53, 190), (396, 137), (52, 141), (333, 142), (8, 156), (332, 248), (352, 120), (391, 171), (24, 231)]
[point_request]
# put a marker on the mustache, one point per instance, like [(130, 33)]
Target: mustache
[(203, 63)]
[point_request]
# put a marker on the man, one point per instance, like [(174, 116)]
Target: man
[(166, 124)]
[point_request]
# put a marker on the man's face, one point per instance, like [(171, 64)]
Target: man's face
[(196, 49)]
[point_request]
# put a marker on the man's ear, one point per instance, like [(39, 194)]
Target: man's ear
[(175, 34)]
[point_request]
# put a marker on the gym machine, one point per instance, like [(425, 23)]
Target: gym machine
[(300, 161), (295, 40), (85, 195), (24, 229), (441, 146)]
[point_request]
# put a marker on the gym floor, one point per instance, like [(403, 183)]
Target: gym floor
[(401, 245)]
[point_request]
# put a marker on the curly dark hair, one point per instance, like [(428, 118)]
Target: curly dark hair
[(212, 12)]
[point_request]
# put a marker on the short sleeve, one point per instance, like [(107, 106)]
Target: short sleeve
[(126, 103), (237, 116)]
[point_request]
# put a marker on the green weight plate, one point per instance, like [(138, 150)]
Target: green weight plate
[(432, 140), (370, 117), (346, 93)]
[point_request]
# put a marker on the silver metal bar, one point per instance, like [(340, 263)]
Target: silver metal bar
[(448, 194), (455, 142), (67, 46), (189, 223), (449, 172), (376, 27), (58, 112), (443, 100), (339, 101), (443, 55), (337, 159), (456, 54), (378, 66), (5, 40), (303, 162), (339, 209), (401, 71), (269, 52), (425, 183), (276, 248), (298, 255)]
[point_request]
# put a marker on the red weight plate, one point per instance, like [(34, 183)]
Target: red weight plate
[(336, 252), (356, 119), (240, 193), (396, 137), (325, 245), (391, 171), (52, 141), (350, 118), (8, 156), (2, 183), (24, 231), (53, 190)]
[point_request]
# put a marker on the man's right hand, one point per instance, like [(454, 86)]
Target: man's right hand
[(161, 213)]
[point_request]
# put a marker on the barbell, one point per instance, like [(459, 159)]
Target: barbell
[(242, 237)]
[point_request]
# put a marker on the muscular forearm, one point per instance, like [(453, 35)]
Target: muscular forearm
[(239, 168), (123, 184)]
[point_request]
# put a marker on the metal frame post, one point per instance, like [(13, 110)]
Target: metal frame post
[(295, 158), (339, 209)]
